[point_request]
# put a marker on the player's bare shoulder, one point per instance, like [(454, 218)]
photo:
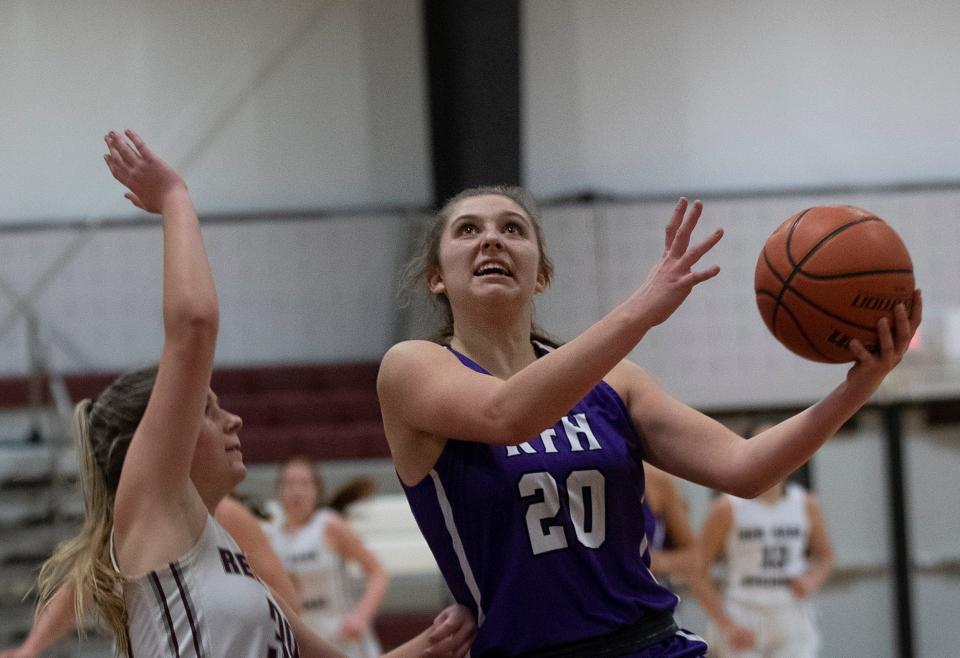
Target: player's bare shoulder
[(405, 362), (337, 528), (408, 349), (407, 356), (629, 380), (414, 361)]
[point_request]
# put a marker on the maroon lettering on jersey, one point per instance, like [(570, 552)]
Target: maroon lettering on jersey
[(283, 634), (235, 563), (244, 565), (229, 562)]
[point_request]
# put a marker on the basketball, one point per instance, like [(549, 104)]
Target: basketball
[(826, 276)]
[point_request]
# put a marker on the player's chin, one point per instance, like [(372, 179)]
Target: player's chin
[(238, 470)]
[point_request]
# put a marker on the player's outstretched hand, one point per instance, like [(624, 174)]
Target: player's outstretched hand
[(151, 181), (871, 368), (673, 277), (452, 633)]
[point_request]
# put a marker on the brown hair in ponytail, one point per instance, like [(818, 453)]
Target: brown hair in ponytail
[(103, 429)]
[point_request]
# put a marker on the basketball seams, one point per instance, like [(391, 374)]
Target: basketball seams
[(786, 309), (825, 239), (830, 313), (790, 261), (852, 275), (816, 247), (786, 282), (776, 275), (855, 276), (810, 343), (793, 228)]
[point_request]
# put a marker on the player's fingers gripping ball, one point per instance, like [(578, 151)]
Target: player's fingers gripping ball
[(826, 276)]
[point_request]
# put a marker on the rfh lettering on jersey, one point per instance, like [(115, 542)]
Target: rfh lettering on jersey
[(576, 429)]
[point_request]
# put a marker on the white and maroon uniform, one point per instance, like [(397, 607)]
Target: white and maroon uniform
[(765, 549), (320, 575), (206, 604)]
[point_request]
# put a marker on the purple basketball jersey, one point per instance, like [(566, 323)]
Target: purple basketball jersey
[(655, 528), (544, 541)]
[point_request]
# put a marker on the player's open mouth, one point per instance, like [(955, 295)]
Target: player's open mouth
[(492, 268)]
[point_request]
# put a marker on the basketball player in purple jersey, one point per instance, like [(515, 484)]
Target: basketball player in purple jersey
[(157, 456), (523, 463)]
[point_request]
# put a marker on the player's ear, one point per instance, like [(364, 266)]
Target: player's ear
[(435, 282), (542, 283)]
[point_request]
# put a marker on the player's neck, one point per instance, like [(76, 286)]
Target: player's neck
[(210, 495), (501, 353), (294, 523)]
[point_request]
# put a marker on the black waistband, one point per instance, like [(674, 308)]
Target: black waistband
[(650, 630)]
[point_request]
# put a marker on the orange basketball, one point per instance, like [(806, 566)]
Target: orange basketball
[(826, 276)]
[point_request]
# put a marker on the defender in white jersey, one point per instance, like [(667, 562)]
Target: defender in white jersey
[(450, 631), (314, 546), (766, 611), (190, 607), (157, 455)]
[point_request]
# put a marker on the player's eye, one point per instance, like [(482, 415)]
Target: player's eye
[(467, 228)]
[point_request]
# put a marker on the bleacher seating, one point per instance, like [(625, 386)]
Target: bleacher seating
[(38, 507), (322, 411)]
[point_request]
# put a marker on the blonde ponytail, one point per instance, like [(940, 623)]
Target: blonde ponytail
[(83, 562)]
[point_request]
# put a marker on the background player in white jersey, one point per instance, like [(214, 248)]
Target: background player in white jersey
[(158, 455), (314, 545), (778, 554)]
